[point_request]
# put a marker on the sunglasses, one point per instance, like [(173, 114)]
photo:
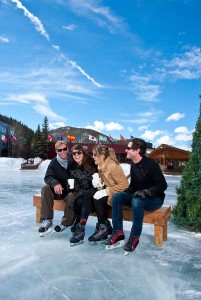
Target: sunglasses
[(63, 149), (76, 152)]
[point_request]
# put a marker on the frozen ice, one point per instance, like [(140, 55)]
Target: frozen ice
[(36, 268)]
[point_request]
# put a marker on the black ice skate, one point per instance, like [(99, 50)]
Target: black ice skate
[(109, 227), (100, 234), (45, 228), (131, 244), (75, 222), (60, 227), (116, 240), (78, 235)]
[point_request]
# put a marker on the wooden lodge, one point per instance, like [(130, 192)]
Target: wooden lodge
[(171, 159)]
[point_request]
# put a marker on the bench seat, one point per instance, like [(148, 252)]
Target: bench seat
[(158, 217)]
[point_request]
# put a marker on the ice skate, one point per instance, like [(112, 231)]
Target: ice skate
[(60, 227), (75, 222), (131, 244), (100, 234), (78, 235), (109, 226), (115, 241), (45, 228)]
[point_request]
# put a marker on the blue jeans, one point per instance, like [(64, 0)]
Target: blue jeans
[(138, 207)]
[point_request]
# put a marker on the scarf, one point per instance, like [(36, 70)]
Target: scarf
[(62, 162)]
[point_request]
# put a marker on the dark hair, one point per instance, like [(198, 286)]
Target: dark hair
[(88, 163), (139, 144), (106, 151)]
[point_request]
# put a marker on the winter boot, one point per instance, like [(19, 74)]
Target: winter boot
[(109, 226), (60, 227), (75, 222), (100, 234), (116, 240), (78, 236), (131, 244), (46, 227)]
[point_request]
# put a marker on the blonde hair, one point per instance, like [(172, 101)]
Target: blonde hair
[(60, 143), (106, 151)]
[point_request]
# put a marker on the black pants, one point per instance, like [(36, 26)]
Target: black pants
[(100, 207), (83, 203)]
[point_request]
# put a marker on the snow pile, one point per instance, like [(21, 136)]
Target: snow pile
[(15, 163)]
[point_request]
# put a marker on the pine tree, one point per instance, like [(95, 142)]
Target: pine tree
[(187, 211), (38, 143), (45, 130)]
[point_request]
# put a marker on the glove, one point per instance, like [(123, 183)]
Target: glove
[(100, 194), (96, 181), (142, 194), (97, 184)]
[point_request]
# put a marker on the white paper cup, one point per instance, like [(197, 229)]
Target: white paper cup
[(95, 176), (71, 182)]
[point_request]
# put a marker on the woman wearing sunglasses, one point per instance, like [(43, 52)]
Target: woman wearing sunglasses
[(114, 179), (81, 169)]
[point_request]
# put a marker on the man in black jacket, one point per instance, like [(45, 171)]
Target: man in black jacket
[(56, 178), (145, 192)]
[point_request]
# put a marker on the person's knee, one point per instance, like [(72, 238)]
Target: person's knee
[(116, 197), (45, 188), (136, 203)]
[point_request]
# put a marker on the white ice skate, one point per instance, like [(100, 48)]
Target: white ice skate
[(46, 232), (114, 246)]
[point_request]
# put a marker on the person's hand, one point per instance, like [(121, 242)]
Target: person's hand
[(100, 194), (142, 194), (58, 189), (98, 184)]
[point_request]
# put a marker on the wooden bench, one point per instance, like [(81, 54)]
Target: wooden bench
[(158, 217)]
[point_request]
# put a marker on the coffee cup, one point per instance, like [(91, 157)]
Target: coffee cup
[(71, 183)]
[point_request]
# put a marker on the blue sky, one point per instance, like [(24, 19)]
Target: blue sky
[(120, 67)]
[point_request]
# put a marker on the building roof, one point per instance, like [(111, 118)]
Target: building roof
[(169, 152)]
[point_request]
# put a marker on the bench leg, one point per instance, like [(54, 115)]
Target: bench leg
[(158, 235), (165, 232), (38, 215)]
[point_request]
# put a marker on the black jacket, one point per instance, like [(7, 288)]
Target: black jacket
[(56, 174), (147, 175)]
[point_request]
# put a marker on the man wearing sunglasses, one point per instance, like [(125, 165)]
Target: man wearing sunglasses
[(145, 192), (55, 178)]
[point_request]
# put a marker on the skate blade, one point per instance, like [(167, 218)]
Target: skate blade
[(46, 232), (97, 242), (126, 253), (117, 245), (76, 244)]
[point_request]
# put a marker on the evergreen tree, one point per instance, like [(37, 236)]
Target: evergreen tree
[(38, 143), (45, 130), (187, 211)]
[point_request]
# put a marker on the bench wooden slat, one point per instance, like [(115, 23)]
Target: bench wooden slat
[(158, 217)]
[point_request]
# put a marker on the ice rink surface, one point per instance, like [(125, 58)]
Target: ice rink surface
[(47, 268)]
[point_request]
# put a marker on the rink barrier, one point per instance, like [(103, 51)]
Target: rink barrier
[(158, 217)]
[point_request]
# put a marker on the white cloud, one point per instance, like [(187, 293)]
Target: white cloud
[(27, 98), (142, 128), (149, 135), (56, 125), (175, 117), (4, 39), (100, 126), (100, 15), (144, 90), (56, 47), (182, 129), (70, 27), (166, 139), (130, 129), (45, 110), (35, 20)]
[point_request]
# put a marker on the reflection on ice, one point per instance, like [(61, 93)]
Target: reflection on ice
[(48, 268)]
